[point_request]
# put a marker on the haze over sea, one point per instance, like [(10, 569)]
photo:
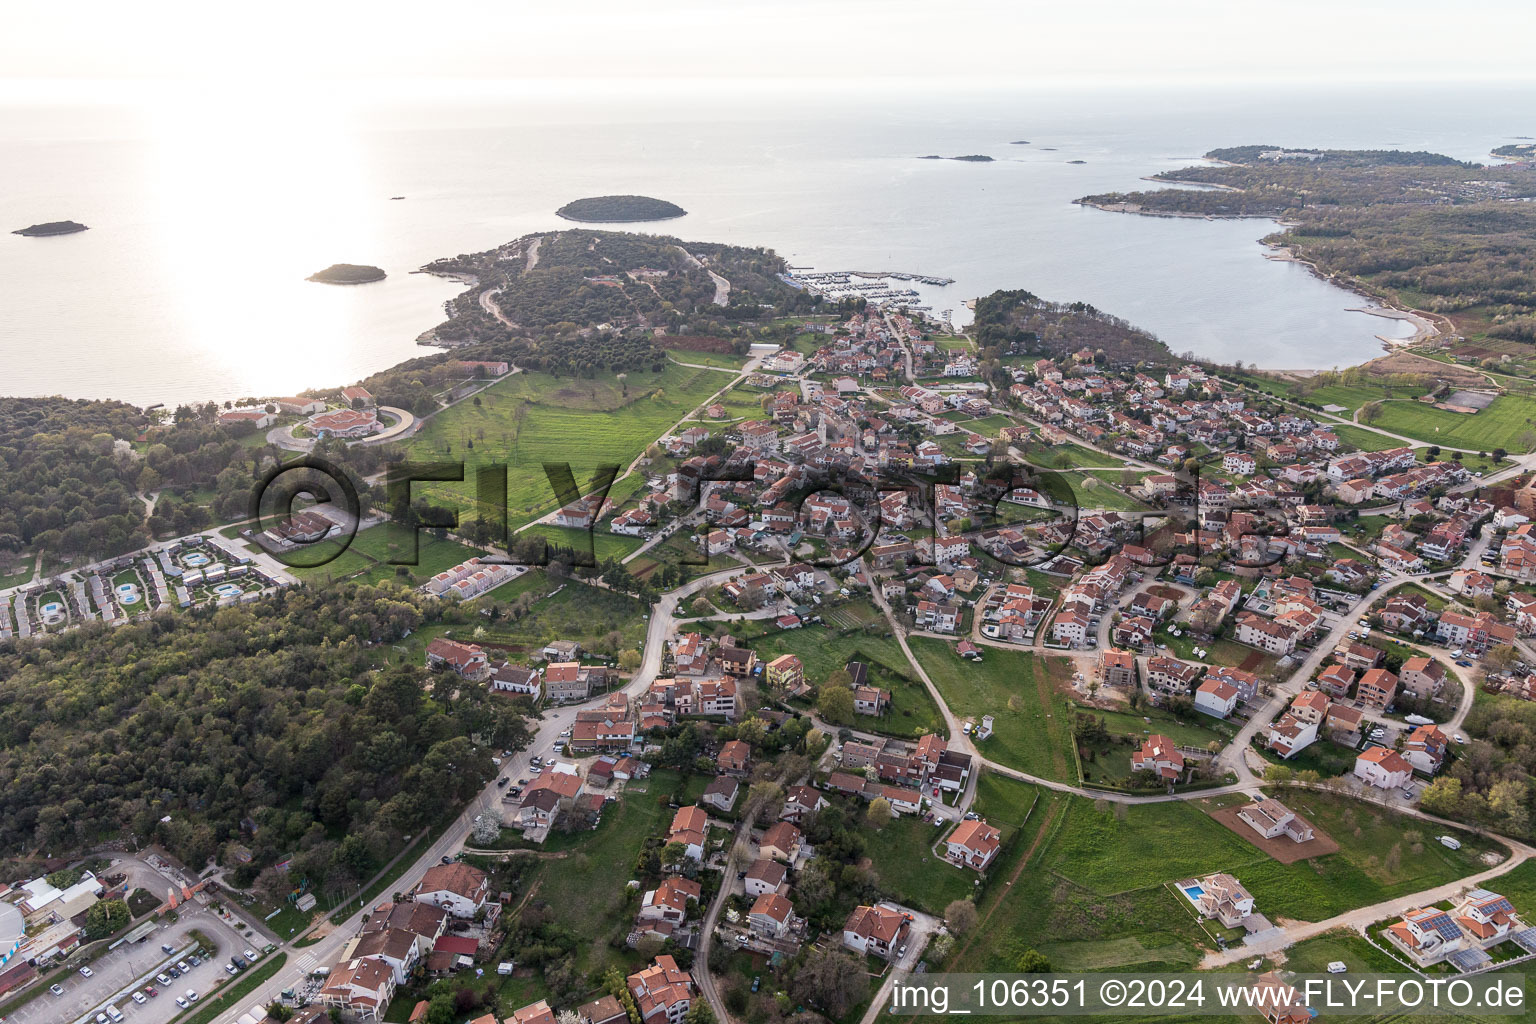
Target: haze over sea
[(205, 220)]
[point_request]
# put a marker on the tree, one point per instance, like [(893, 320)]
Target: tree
[(699, 1012), (105, 917), (630, 659), (1442, 797), (835, 704), (487, 828), (1370, 412), (832, 979), (879, 813), (960, 916), (1032, 961)]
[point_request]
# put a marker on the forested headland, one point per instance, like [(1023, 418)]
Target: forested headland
[(1015, 322), (1420, 229), (584, 302)]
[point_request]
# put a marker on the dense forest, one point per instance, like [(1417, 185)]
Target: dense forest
[(265, 725), (1444, 234), (65, 484), (1016, 322)]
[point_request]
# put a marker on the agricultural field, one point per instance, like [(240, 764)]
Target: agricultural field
[(528, 419), (1032, 726)]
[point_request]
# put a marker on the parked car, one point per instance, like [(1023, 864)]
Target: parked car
[(250, 955), (163, 978), (182, 1002), (166, 947), (151, 991), (56, 990), (86, 972), (139, 998)]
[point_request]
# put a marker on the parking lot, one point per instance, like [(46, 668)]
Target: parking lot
[(115, 975)]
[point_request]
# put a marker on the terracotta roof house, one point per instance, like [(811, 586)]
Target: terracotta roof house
[(877, 931), (974, 844), (733, 757), (781, 842), (460, 889), (690, 826), (662, 992)]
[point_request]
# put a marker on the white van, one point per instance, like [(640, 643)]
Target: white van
[(117, 1017)]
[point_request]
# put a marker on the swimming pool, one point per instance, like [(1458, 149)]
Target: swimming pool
[(227, 590), (195, 560), (1193, 893), (127, 593)]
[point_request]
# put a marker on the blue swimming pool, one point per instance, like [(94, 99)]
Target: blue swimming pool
[(1194, 892)]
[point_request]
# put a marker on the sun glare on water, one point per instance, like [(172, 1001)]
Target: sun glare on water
[(251, 195)]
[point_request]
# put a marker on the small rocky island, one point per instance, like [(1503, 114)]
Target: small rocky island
[(619, 209), (973, 158), (53, 227), (347, 273)]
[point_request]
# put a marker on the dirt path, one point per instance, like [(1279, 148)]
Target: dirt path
[(1029, 854)]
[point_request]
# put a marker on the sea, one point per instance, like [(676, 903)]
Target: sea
[(206, 215)]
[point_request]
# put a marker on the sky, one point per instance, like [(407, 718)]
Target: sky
[(61, 50)]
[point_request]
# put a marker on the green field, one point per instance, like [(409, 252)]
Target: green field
[(1065, 456), (605, 545), (1501, 425), (823, 651), (724, 360), (576, 611), (528, 419), (1363, 439), (1098, 889), (587, 884), (1381, 856), (907, 870), (1091, 493), (367, 557), (1032, 725)]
